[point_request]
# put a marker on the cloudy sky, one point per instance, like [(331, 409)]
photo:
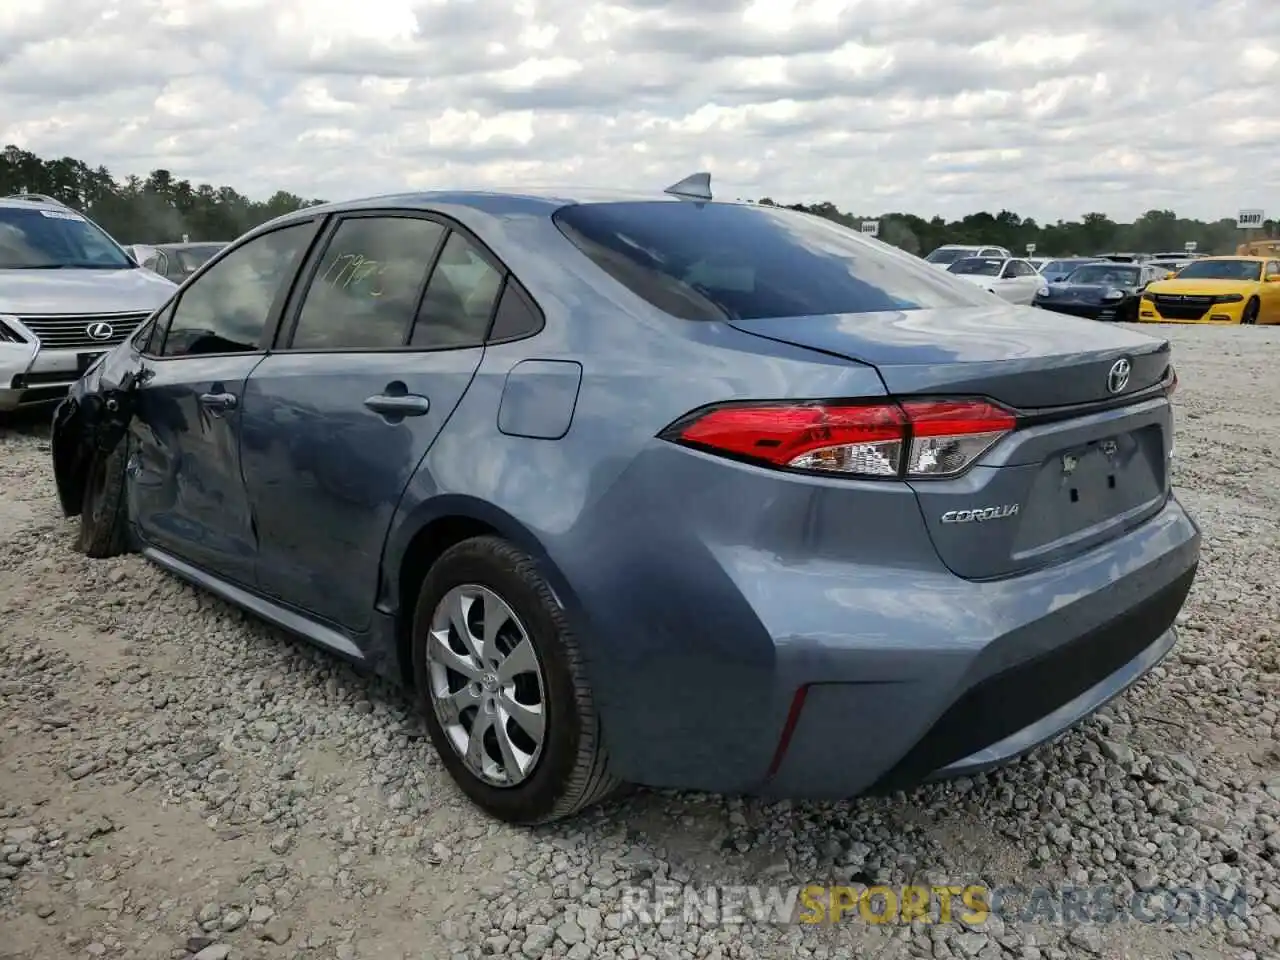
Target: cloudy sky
[(926, 106)]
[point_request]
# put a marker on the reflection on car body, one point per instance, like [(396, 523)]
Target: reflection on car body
[(596, 471)]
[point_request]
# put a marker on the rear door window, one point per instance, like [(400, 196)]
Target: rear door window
[(460, 297), (366, 286), (728, 261)]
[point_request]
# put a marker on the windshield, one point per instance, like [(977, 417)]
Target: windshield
[(1221, 270), (977, 267), (718, 261), (43, 239), (191, 257), (948, 255), (1062, 267), (1105, 273)]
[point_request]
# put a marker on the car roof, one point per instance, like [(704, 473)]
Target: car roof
[(1242, 256), (37, 201), (494, 204)]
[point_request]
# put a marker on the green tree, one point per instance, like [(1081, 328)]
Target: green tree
[(156, 208)]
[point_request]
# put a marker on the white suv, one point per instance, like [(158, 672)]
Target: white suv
[(949, 253), (68, 293)]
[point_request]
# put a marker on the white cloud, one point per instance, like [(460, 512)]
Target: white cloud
[(916, 105)]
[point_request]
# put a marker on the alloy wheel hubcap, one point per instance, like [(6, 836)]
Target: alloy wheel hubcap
[(486, 685)]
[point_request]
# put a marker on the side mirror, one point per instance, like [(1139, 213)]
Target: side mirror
[(1171, 274)]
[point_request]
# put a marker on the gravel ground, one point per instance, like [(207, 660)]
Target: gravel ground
[(178, 779)]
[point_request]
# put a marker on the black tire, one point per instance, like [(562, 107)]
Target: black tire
[(104, 520), (1250, 314), (572, 771)]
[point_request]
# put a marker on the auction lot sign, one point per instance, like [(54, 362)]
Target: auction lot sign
[(1249, 219)]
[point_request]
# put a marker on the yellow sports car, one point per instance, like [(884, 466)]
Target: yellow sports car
[(1216, 290)]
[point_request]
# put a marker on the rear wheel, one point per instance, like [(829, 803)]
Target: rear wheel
[(501, 684), (104, 521), (1250, 314)]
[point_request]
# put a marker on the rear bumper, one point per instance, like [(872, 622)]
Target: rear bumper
[(907, 673), (977, 708)]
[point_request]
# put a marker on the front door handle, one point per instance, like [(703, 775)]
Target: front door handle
[(218, 401), (401, 405)]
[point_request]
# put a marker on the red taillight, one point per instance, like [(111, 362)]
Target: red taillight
[(915, 438)]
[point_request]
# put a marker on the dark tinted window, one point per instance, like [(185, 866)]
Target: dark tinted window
[(225, 310), (949, 255), (366, 289), (190, 258), (460, 297), (711, 261), (516, 315), (978, 266), (1115, 273), (1221, 270)]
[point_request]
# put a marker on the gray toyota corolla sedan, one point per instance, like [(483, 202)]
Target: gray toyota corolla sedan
[(650, 488)]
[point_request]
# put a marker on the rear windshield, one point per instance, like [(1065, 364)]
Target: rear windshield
[(189, 258), (726, 261), (949, 254), (977, 267)]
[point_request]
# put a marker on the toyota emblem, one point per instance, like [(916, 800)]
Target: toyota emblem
[(99, 331), (1118, 378)]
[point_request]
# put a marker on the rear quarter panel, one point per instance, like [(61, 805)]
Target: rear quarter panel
[(641, 370)]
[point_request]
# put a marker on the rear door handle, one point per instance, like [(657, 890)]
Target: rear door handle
[(218, 401), (401, 405)]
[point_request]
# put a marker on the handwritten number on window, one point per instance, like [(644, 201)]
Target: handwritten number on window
[(350, 271)]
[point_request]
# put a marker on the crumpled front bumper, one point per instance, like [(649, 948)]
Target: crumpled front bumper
[(15, 360), (89, 419)]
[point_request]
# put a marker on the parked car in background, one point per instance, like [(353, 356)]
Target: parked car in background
[(177, 261), (139, 251), (1009, 279), (1217, 290), (948, 254), (68, 293), (1168, 268), (469, 441), (1099, 291), (1259, 248), (1038, 262), (1176, 255), (1057, 270)]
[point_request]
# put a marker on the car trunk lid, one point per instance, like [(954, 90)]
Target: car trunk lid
[(1084, 465)]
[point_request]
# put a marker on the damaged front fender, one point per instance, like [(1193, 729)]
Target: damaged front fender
[(92, 419)]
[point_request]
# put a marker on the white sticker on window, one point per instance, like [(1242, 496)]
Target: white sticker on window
[(60, 215)]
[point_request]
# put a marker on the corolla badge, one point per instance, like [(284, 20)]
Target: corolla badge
[(1118, 376), (99, 330), (981, 514)]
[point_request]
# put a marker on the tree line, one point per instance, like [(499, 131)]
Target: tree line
[(156, 209), (160, 207)]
